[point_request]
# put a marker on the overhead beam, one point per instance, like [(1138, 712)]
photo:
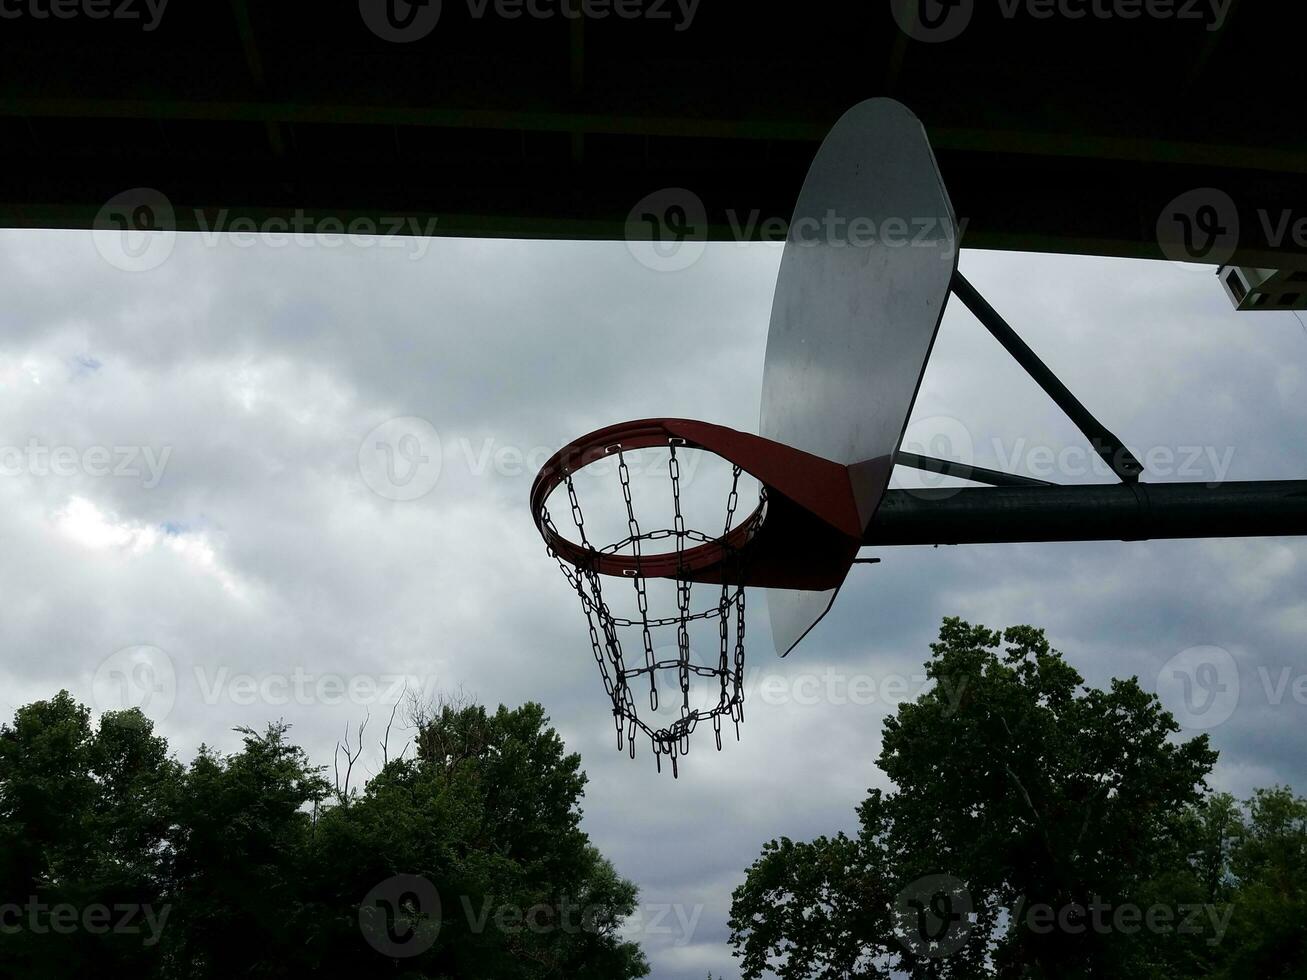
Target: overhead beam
[(1012, 188), (989, 142)]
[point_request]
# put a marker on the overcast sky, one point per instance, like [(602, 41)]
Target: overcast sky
[(246, 550)]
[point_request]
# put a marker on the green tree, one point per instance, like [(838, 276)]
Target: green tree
[(1016, 790), (85, 812), (1268, 933), (241, 846), (490, 807), (253, 867)]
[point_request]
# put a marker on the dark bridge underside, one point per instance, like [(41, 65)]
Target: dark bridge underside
[(1058, 134)]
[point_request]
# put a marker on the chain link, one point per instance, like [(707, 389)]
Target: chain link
[(673, 740)]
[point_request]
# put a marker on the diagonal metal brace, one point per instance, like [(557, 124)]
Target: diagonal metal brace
[(1107, 445), (966, 471)]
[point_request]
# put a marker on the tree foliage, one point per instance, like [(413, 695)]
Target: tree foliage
[(251, 865), (1029, 816)]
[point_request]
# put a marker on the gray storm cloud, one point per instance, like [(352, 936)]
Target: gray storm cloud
[(261, 554)]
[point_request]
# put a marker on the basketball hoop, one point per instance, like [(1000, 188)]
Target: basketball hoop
[(804, 533)]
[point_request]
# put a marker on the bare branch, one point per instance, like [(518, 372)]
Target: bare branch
[(351, 757), (385, 742)]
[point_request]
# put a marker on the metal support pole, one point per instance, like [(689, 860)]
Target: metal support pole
[(1107, 445), (1115, 512), (966, 471)]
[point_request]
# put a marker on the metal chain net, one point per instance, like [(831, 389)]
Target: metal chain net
[(607, 629)]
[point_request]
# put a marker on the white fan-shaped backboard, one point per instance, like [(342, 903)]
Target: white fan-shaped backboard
[(863, 283)]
